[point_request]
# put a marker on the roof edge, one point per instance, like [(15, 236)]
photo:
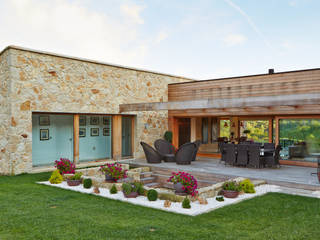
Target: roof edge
[(90, 61)]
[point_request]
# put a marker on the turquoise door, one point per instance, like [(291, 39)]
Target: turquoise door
[(56, 140), (95, 137), (126, 136)]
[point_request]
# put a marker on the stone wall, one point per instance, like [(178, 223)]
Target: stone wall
[(51, 83)]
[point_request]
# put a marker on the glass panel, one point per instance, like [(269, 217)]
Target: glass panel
[(126, 136), (225, 128), (205, 132), (94, 137), (214, 130), (258, 130), (299, 138), (52, 138)]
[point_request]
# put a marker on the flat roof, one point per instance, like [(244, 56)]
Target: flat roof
[(90, 61)]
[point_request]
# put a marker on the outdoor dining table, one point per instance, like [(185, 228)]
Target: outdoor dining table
[(263, 150)]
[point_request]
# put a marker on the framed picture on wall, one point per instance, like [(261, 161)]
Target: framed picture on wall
[(82, 120), (82, 132), (44, 121), (106, 121), (94, 120), (44, 134), (94, 132)]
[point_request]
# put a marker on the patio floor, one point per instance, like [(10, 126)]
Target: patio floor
[(291, 176)]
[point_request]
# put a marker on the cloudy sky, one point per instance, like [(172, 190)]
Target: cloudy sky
[(200, 39)]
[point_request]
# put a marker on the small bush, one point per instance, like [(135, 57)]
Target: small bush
[(76, 176), (87, 183), (152, 195), (127, 188), (138, 187), (56, 177), (247, 186), (169, 196), (113, 189), (186, 203), (220, 198), (168, 136)]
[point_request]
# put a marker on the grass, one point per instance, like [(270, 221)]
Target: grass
[(32, 211)]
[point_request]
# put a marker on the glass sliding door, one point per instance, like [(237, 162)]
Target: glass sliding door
[(224, 128), (258, 130), (126, 136), (95, 133), (299, 138)]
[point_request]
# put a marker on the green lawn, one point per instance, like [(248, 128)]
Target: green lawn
[(32, 211)]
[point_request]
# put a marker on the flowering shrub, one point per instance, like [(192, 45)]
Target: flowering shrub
[(114, 170), (64, 166), (188, 181)]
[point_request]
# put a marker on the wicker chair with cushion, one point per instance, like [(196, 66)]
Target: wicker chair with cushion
[(231, 154), (254, 156), (166, 150), (152, 155), (185, 153), (242, 156), (273, 159), (197, 143)]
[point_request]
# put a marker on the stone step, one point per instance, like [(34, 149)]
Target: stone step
[(147, 180), (145, 174), (168, 185), (152, 185)]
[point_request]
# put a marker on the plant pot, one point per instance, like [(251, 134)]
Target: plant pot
[(230, 193), (73, 183), (178, 187), (109, 178), (131, 195)]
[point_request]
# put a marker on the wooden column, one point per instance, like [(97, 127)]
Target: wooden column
[(133, 120), (193, 126), (76, 138), (116, 136), (277, 130), (175, 133), (270, 130)]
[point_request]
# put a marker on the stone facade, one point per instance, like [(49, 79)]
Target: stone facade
[(44, 82)]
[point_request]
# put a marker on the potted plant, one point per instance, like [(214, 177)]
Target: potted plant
[(65, 166), (231, 189), (168, 136), (75, 180), (184, 183), (131, 190), (113, 172)]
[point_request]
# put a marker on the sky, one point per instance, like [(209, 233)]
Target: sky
[(200, 39)]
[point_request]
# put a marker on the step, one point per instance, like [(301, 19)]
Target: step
[(152, 185), (145, 174), (168, 185), (147, 180)]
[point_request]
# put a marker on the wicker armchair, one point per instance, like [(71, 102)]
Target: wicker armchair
[(254, 156), (152, 155), (185, 153), (197, 143), (166, 150), (273, 159), (242, 157), (231, 153)]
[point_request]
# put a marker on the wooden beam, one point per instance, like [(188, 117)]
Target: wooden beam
[(76, 138), (116, 136), (193, 126), (261, 101)]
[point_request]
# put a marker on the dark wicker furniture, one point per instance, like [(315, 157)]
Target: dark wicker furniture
[(242, 154), (197, 143), (152, 155), (254, 156), (185, 153), (231, 155), (166, 150)]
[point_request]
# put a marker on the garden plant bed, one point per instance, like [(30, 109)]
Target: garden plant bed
[(196, 207)]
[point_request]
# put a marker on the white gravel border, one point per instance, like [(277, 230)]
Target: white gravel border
[(196, 208)]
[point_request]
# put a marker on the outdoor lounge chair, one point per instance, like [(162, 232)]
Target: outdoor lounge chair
[(231, 154), (242, 156), (254, 156), (197, 143), (273, 159), (152, 155), (185, 153), (166, 150)]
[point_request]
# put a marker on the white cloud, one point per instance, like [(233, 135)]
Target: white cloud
[(234, 39), (70, 28), (133, 12)]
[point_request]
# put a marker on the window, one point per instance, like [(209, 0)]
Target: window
[(205, 132)]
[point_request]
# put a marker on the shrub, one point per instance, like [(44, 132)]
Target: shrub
[(56, 177), (87, 183), (188, 181), (64, 166), (152, 195), (127, 188), (76, 176), (113, 189), (186, 203), (115, 170), (220, 198), (138, 187), (247, 186), (169, 196), (232, 186), (168, 136)]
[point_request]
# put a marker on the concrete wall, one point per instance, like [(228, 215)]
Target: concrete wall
[(51, 83)]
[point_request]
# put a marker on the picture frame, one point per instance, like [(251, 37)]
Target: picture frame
[(94, 132), (82, 120), (44, 134), (106, 131), (106, 121), (94, 120), (82, 132), (44, 121)]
